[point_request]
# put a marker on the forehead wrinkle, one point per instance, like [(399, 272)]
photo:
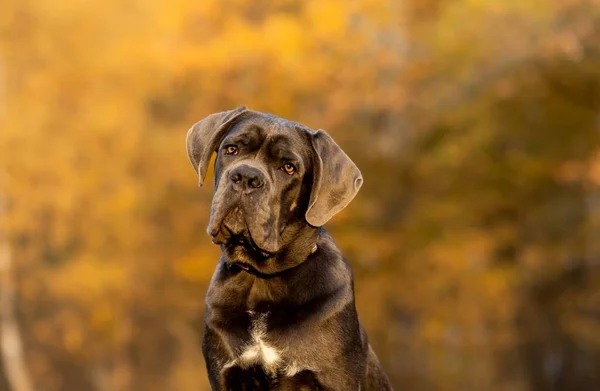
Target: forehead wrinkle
[(279, 147), (245, 133)]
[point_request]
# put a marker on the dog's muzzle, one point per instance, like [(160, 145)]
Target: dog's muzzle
[(246, 179)]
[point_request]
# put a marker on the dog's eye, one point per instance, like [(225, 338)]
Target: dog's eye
[(289, 168), (231, 150)]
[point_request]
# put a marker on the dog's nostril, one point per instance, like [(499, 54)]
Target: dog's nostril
[(255, 183), (246, 178), (236, 177)]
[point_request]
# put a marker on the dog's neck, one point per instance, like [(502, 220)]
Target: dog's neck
[(301, 242)]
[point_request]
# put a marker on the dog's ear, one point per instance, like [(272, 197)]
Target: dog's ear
[(336, 180), (204, 137)]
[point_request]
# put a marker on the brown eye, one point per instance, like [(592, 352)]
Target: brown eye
[(231, 150), (288, 168)]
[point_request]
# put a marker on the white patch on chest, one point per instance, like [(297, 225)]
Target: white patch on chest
[(291, 370), (258, 350)]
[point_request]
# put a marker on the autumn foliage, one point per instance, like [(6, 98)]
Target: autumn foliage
[(475, 239)]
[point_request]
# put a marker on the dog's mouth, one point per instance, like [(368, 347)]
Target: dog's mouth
[(244, 240), (232, 231)]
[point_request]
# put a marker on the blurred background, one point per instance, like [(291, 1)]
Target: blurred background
[(475, 239)]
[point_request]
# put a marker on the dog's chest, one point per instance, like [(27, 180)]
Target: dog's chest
[(261, 350)]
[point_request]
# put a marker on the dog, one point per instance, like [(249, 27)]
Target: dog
[(280, 308)]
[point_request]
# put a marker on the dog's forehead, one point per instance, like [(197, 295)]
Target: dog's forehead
[(276, 131)]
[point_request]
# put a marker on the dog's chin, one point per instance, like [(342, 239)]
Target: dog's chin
[(233, 232), (245, 256), (242, 247), (239, 246)]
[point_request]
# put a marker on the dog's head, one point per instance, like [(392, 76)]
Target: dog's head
[(274, 180)]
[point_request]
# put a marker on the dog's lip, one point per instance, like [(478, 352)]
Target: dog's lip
[(247, 240), (215, 231), (217, 228), (250, 241), (241, 265), (243, 239)]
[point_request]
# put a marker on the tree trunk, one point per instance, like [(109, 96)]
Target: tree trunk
[(11, 347)]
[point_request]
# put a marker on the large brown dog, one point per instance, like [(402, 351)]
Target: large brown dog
[(280, 312)]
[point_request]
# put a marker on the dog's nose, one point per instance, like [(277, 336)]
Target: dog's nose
[(247, 178)]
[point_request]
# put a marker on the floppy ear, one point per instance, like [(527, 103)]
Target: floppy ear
[(204, 137), (336, 180)]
